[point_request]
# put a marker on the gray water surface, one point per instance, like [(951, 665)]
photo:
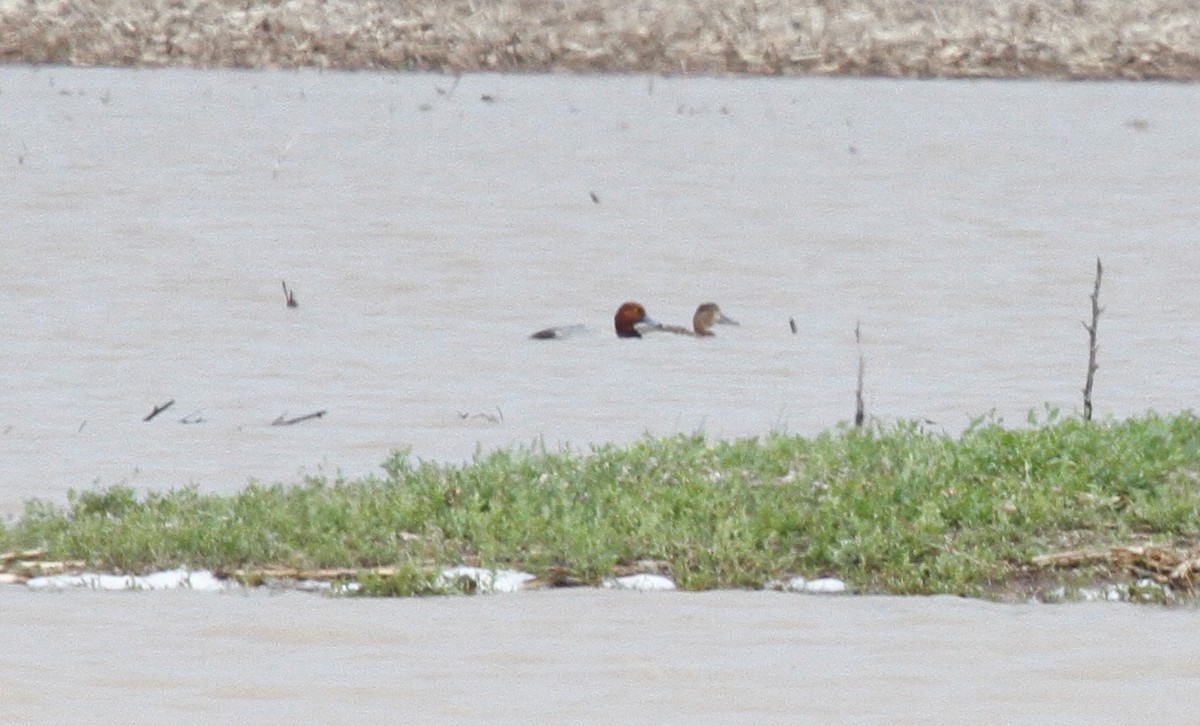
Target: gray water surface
[(150, 216), (585, 656)]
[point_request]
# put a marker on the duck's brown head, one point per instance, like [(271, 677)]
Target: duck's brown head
[(708, 315), (630, 319)]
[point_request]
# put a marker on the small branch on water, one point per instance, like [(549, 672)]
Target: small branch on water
[(282, 420), (1092, 346), (443, 92), (283, 155), (498, 418), (289, 296), (792, 324), (860, 414), (159, 409)]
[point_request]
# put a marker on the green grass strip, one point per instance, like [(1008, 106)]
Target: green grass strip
[(888, 509)]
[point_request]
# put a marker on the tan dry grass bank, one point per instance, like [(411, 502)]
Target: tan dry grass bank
[(933, 38)]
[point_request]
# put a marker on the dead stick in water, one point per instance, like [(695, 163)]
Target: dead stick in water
[(498, 418), (159, 409), (289, 296), (859, 409), (282, 419), (1092, 347)]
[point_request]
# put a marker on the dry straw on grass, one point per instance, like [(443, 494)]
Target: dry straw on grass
[(929, 38)]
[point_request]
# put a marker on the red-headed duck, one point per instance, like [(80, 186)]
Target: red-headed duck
[(707, 315), (630, 321)]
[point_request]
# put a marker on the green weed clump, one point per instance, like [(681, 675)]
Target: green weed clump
[(888, 509)]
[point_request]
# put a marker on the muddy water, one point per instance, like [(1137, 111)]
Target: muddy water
[(150, 217), (428, 226), (593, 657)]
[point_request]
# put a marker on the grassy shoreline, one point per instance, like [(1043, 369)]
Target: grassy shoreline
[(994, 512), (1069, 39)]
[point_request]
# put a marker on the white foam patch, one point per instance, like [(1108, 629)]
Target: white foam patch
[(201, 580), (485, 580), (1144, 590), (821, 585), (642, 582), (825, 585)]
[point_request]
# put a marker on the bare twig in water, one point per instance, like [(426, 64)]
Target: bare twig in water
[(859, 409), (289, 296), (792, 324), (283, 155), (283, 420), (595, 197), (443, 92), (1092, 346), (159, 409), (498, 418)]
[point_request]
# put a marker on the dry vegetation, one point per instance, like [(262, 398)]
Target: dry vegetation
[(929, 38)]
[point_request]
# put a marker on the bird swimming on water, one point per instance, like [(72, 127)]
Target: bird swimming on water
[(707, 315), (630, 321)]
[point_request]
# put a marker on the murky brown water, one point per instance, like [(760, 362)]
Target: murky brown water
[(590, 656), (150, 216), (149, 219)]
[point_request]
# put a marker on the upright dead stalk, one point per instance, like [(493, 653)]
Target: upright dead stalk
[(859, 409), (1091, 329), (289, 296)]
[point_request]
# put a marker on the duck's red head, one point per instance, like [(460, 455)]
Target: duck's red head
[(629, 318)]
